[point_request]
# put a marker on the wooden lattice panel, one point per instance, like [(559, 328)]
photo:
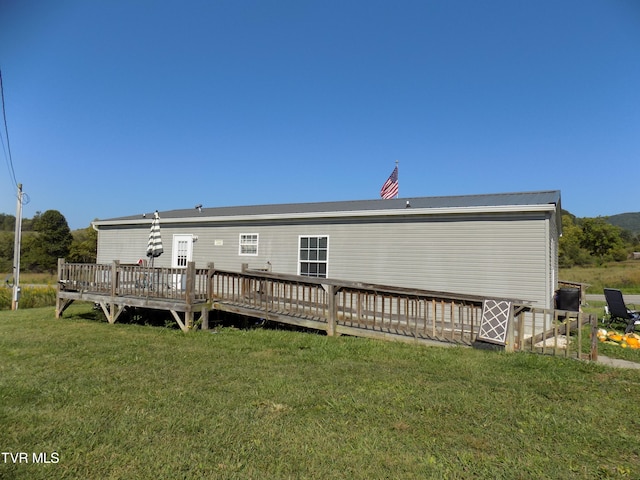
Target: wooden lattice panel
[(495, 321)]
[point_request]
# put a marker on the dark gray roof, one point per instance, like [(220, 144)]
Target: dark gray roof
[(488, 200)]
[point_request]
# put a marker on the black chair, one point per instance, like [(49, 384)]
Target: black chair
[(618, 311)]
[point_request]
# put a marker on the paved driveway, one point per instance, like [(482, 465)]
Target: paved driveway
[(628, 299)]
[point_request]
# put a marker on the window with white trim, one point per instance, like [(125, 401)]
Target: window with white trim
[(313, 256), (248, 244)]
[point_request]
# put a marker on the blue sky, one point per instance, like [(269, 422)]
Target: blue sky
[(116, 107)]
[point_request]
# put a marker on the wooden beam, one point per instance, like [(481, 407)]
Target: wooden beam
[(105, 310), (380, 335), (204, 316), (274, 317), (118, 309), (61, 305), (131, 301), (179, 320), (111, 310)]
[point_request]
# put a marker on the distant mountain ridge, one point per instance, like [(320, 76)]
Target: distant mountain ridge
[(628, 221)]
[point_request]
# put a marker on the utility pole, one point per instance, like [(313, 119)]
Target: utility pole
[(16, 252)]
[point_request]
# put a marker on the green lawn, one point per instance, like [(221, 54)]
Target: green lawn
[(128, 401)]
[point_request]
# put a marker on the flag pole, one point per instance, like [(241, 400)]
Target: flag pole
[(398, 194)]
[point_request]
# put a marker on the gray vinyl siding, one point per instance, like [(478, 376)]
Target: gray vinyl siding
[(484, 257), (494, 255), (127, 245)]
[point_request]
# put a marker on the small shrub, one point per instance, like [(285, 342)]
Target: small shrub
[(5, 298), (30, 297)]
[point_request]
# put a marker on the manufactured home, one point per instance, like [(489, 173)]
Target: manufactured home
[(495, 245)]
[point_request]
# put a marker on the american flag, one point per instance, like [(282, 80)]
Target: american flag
[(390, 187)]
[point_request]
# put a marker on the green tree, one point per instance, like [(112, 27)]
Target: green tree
[(52, 241), (6, 252), (84, 248), (630, 238), (30, 254), (602, 240), (7, 222), (570, 250)]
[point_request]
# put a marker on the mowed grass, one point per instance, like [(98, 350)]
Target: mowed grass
[(126, 401)]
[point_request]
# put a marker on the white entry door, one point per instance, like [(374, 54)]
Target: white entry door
[(182, 251), (181, 254)]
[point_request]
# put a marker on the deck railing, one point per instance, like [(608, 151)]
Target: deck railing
[(417, 314), (291, 296), (336, 306), (134, 280), (556, 332), (84, 276), (350, 307)]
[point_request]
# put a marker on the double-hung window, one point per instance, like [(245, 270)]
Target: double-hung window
[(313, 256), (248, 244)]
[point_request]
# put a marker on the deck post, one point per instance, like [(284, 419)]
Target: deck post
[(204, 316), (113, 308), (60, 268), (511, 337), (593, 320), (190, 295), (244, 283), (114, 278), (210, 273), (59, 302), (205, 310), (520, 341), (332, 319)]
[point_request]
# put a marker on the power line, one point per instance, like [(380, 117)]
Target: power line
[(23, 198), (7, 149)]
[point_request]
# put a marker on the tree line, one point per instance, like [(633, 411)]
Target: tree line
[(45, 238), (594, 241)]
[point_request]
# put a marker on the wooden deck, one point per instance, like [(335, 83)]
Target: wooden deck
[(336, 307)]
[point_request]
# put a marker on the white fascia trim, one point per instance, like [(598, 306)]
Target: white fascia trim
[(405, 212)]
